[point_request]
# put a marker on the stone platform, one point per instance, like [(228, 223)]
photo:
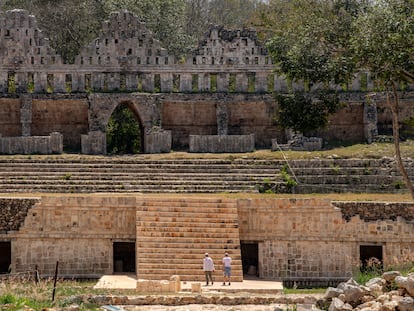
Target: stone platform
[(249, 286)]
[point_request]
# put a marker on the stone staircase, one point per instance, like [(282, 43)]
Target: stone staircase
[(83, 174), (118, 174), (173, 235), (349, 175)]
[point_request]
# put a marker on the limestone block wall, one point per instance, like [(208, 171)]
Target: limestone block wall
[(51, 144), (312, 238), (221, 143), (67, 115), (77, 231), (297, 238), (158, 142), (10, 117)]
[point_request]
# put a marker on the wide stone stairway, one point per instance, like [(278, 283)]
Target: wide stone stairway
[(132, 174), (173, 235)]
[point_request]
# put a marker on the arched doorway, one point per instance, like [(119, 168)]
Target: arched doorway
[(124, 132)]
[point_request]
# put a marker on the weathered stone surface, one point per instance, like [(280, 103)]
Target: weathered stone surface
[(13, 213), (389, 276)]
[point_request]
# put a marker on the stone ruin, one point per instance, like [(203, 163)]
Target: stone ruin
[(391, 291), (127, 64)]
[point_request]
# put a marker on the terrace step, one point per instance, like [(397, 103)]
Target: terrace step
[(83, 174), (173, 236)]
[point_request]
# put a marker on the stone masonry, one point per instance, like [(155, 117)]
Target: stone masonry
[(223, 87), (293, 235)]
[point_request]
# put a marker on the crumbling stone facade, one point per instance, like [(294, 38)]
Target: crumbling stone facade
[(225, 84), (293, 236)]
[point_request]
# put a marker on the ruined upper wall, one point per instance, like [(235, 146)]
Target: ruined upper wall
[(124, 41), (22, 44), (230, 47), (127, 58)]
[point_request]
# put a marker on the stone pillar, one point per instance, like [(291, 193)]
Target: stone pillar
[(370, 119), (94, 143), (222, 118), (56, 143), (26, 114)]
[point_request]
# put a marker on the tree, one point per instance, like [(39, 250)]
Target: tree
[(325, 42), (383, 42), (165, 18), (308, 46), (232, 13), (123, 133), (68, 24)]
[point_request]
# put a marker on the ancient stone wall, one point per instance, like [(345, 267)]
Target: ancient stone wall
[(76, 231), (10, 117), (221, 143), (223, 87), (294, 236), (13, 213), (126, 57), (51, 144)]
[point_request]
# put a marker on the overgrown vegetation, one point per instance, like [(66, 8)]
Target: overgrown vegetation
[(18, 294), (374, 268), (123, 132)]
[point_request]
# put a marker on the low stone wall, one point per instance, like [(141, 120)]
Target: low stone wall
[(158, 142), (185, 299), (173, 285), (94, 143), (299, 143), (222, 143), (52, 144)]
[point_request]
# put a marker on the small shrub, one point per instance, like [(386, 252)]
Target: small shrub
[(67, 176), (398, 184), (290, 182), (335, 168)]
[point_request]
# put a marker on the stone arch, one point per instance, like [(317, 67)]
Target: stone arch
[(145, 107), (135, 112)]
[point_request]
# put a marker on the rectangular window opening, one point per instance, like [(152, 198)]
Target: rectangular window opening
[(11, 82), (50, 83), (68, 83), (232, 82), (213, 82), (176, 83), (157, 83), (194, 82)]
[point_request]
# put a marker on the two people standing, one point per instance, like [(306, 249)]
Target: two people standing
[(208, 267)]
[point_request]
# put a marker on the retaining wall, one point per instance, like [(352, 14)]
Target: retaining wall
[(294, 236)]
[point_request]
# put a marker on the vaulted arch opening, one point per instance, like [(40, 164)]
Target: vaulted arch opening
[(124, 132)]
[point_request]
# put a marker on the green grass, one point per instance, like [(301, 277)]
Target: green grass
[(15, 295)]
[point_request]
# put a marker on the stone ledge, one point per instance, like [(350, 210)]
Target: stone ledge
[(179, 300)]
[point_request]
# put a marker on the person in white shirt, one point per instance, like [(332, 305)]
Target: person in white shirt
[(208, 267), (226, 268)]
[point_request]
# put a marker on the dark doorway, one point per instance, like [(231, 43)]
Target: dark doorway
[(5, 257), (370, 257), (124, 257), (124, 134), (250, 258)]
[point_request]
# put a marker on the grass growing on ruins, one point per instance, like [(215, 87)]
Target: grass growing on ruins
[(18, 294), (374, 269)]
